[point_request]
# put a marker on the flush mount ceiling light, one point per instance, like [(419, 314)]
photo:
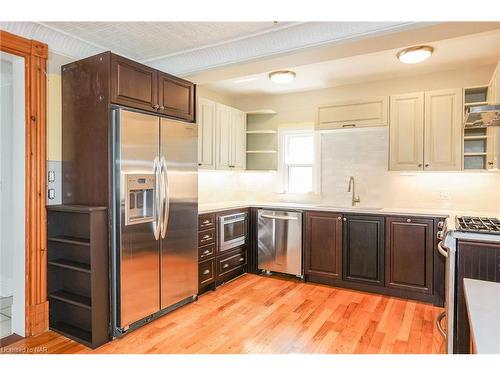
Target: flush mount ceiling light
[(414, 55), (282, 76)]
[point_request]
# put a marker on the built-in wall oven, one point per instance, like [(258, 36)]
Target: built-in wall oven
[(233, 230)]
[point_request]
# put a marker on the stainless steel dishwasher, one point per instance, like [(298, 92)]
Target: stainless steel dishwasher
[(279, 238)]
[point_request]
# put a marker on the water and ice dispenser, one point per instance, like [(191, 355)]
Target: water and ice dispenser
[(139, 200)]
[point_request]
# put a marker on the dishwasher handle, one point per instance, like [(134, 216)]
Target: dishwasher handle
[(278, 217)]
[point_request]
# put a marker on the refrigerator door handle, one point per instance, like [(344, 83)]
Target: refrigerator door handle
[(156, 222), (165, 197)]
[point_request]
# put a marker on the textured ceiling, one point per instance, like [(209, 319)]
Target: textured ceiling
[(464, 52), (186, 47)]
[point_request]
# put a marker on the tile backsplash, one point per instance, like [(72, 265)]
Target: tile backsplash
[(362, 153)]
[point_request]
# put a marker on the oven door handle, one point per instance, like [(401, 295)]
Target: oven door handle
[(438, 323), (278, 217), (442, 249), (223, 221)]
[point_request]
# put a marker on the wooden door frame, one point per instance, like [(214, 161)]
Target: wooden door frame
[(35, 65)]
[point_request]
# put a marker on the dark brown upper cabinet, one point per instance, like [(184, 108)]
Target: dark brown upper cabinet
[(138, 86), (363, 238), (409, 254), (176, 97), (323, 244), (133, 84)]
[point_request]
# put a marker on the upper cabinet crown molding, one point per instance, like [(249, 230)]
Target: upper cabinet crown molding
[(426, 131), (353, 114)]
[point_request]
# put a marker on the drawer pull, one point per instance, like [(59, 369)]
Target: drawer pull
[(206, 252), (225, 265), (408, 220), (242, 259), (206, 272), (206, 236), (206, 222)]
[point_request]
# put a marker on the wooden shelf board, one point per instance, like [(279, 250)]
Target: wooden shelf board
[(68, 264), (75, 333), (475, 153), (261, 151), (262, 132), (70, 240), (72, 298), (261, 112)]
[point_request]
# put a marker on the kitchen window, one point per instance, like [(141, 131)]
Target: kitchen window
[(297, 162)]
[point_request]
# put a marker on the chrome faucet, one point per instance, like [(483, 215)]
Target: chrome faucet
[(351, 187)]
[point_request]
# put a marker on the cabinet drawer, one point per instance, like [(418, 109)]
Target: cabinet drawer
[(206, 251), (206, 221), (206, 237), (231, 262), (206, 272)]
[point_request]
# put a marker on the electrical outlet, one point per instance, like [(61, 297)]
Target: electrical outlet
[(444, 194)]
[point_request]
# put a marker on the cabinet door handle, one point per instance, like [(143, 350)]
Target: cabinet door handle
[(162, 108), (349, 125), (242, 259), (419, 165), (225, 265), (339, 218), (206, 272), (156, 106), (408, 220), (427, 165), (345, 219)]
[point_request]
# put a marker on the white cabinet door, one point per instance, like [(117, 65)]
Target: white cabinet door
[(406, 132), (443, 130), (223, 125), (238, 139), (206, 133), (353, 113)]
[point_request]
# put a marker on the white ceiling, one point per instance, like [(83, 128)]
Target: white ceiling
[(185, 47), (468, 51)]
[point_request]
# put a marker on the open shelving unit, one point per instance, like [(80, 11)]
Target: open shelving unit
[(475, 146), (77, 273), (262, 140)]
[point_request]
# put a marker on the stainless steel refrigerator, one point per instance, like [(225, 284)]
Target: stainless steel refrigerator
[(155, 217)]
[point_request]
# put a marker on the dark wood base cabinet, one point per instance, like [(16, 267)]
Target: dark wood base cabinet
[(388, 255), (217, 267), (475, 260)]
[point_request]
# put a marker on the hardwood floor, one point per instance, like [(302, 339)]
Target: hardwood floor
[(256, 314)]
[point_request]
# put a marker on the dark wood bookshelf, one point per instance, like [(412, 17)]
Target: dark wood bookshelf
[(78, 273)]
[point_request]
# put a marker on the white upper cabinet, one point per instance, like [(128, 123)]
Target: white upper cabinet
[(238, 139), (443, 130), (353, 114), (230, 138), (494, 87), (206, 133), (223, 125), (406, 129), (426, 131)]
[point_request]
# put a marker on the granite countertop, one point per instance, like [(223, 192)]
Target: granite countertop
[(483, 307)]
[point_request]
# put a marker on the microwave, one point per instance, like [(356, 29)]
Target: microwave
[(233, 230)]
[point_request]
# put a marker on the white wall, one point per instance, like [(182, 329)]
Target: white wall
[(13, 192), (362, 153)]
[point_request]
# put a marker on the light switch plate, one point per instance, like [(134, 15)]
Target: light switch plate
[(54, 182)]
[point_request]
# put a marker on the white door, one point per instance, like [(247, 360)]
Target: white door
[(223, 127), (238, 139), (406, 128), (206, 133), (443, 130)]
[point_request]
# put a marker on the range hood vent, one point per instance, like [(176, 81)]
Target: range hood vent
[(483, 116)]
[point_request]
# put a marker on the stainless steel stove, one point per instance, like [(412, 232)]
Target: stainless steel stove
[(489, 225)]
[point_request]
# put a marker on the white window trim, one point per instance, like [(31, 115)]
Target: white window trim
[(283, 167)]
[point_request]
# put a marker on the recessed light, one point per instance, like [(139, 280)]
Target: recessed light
[(414, 55), (282, 76)]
